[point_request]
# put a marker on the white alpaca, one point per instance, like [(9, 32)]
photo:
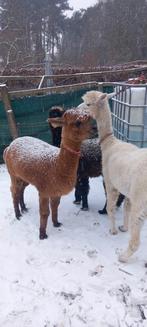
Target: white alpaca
[(124, 170)]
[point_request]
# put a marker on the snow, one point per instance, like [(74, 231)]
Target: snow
[(77, 5), (72, 279), (31, 148), (2, 9), (82, 113)]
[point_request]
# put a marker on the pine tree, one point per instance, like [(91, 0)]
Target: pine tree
[(30, 28)]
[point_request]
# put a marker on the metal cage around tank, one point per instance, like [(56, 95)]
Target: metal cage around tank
[(129, 113)]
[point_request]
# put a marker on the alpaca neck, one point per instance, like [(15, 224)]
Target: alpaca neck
[(72, 145), (69, 157), (104, 123), (72, 151)]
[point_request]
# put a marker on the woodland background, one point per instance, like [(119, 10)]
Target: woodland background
[(109, 33)]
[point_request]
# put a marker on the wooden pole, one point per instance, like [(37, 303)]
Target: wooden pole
[(9, 111)]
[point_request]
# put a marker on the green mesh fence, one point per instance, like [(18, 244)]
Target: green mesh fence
[(31, 113)]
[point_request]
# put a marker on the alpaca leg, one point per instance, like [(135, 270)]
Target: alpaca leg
[(127, 207), (118, 203), (22, 204), (104, 210), (44, 213), (77, 194), (54, 202), (120, 200), (112, 196), (84, 201), (84, 192), (15, 190), (135, 228)]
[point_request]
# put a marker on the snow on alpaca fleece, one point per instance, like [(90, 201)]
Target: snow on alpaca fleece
[(53, 171)]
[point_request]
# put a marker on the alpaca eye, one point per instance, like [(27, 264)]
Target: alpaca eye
[(88, 104), (78, 123)]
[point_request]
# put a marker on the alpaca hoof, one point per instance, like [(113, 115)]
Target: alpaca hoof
[(76, 202), (42, 235), (18, 216), (113, 232), (123, 258), (24, 210), (123, 228), (102, 212), (57, 224), (85, 208)]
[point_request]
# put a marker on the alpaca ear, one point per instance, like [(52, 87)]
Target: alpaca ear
[(56, 122), (103, 96), (83, 98), (111, 95), (81, 106)]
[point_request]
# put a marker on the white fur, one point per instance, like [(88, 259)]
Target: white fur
[(124, 170)]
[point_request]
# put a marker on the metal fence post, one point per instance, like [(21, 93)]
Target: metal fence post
[(48, 69)]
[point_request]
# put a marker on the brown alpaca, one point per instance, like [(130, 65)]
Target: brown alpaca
[(52, 170)]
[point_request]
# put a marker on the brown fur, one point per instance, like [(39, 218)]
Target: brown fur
[(51, 170)]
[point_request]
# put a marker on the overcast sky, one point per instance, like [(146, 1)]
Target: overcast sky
[(78, 4)]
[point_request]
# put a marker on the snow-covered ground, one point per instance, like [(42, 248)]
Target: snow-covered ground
[(72, 279)]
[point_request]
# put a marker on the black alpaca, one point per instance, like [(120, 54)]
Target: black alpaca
[(90, 164), (56, 132)]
